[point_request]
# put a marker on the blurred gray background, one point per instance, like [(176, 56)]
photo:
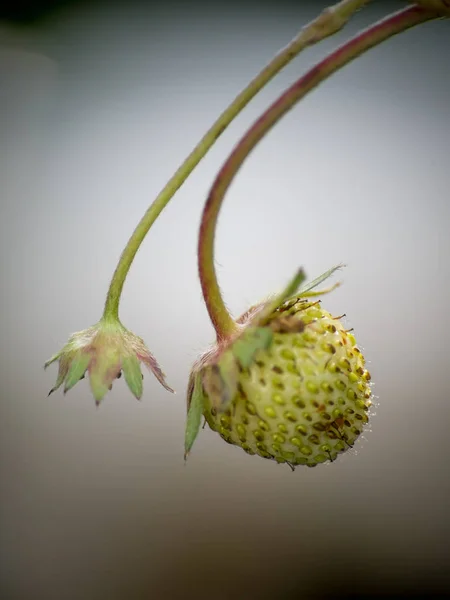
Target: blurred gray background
[(100, 103)]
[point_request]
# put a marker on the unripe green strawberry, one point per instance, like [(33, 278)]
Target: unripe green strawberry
[(304, 399)]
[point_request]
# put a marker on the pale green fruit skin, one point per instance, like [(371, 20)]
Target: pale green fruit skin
[(306, 399)]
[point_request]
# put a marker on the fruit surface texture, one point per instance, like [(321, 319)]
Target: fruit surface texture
[(305, 399)]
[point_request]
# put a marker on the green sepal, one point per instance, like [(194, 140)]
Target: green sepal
[(220, 380), (288, 292), (303, 292), (229, 375), (77, 370), (133, 375), (52, 360), (62, 372), (194, 416), (105, 349), (252, 340)]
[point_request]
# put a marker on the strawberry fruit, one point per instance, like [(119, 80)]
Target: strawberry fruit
[(301, 398)]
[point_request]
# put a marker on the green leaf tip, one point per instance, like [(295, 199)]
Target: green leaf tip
[(194, 416), (304, 292), (252, 340), (133, 375), (77, 370), (220, 378), (271, 306)]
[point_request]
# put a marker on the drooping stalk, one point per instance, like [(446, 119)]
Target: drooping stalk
[(440, 6), (329, 22), (370, 37)]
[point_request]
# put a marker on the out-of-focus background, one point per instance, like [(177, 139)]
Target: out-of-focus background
[(100, 103)]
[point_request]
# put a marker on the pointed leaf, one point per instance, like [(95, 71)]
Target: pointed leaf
[(63, 367), (190, 389), (52, 359), (62, 372), (289, 290), (133, 375), (99, 382), (322, 292), (150, 361), (77, 369), (194, 417), (98, 389), (229, 373), (220, 381), (252, 340), (313, 284), (292, 286)]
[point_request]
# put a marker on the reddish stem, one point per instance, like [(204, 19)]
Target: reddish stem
[(370, 37)]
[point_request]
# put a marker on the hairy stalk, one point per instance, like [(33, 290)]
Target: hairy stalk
[(370, 37), (328, 23)]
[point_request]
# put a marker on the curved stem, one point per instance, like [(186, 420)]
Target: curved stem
[(440, 6), (370, 37), (328, 23)]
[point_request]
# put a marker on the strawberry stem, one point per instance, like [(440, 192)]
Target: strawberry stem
[(327, 23), (370, 37), (440, 6)]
